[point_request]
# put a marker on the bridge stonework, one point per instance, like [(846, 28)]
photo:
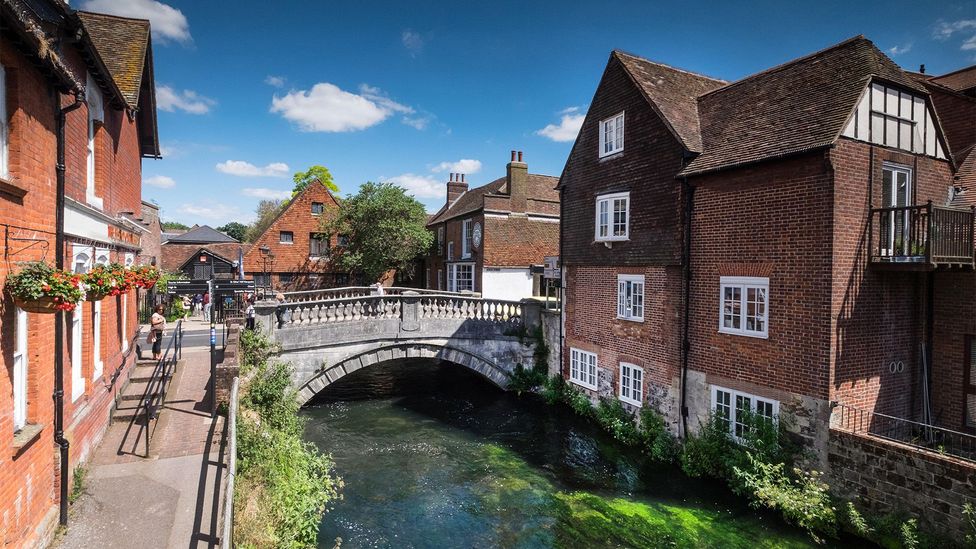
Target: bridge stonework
[(328, 339)]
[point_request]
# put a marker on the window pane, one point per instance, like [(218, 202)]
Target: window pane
[(723, 408), (743, 407)]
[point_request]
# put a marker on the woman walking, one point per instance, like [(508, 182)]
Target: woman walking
[(157, 325)]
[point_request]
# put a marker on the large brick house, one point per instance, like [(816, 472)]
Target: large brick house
[(200, 252), (293, 253), (775, 244), (93, 73), (493, 239)]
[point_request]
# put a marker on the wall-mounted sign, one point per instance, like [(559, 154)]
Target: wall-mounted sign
[(551, 264), (203, 259), (476, 236)]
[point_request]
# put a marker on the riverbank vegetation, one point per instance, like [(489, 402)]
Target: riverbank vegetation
[(284, 484)]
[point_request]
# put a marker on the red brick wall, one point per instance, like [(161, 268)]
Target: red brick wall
[(771, 220), (519, 241), (297, 218), (453, 232)]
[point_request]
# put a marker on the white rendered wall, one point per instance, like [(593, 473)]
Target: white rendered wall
[(510, 284)]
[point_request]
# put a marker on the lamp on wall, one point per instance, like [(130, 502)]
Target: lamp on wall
[(266, 257)]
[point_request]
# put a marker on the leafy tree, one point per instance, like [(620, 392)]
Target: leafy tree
[(266, 212), (174, 225), (385, 228), (235, 230), (320, 173)]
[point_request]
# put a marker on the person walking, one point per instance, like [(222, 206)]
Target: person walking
[(187, 303), (249, 314), (206, 306), (157, 326)]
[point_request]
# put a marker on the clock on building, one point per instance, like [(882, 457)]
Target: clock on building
[(476, 236)]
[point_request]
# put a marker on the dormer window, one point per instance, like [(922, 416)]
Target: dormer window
[(612, 217), (894, 118), (612, 135)]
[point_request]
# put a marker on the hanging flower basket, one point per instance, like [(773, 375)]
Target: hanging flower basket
[(40, 288), (121, 279), (98, 283), (144, 276)]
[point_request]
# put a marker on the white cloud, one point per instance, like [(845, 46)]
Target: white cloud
[(420, 186), (465, 165), (218, 212), (413, 42), (969, 44), (161, 181), (241, 168), (276, 81), (327, 108), (188, 101), (898, 50), (167, 150), (570, 122), (168, 23), (265, 193), (416, 122), (945, 30)]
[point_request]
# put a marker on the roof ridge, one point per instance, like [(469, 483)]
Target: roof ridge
[(957, 71), (665, 65), (113, 16), (787, 64)]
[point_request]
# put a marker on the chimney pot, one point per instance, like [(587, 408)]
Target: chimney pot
[(513, 156), (462, 178), (451, 176), (520, 156), (921, 68)]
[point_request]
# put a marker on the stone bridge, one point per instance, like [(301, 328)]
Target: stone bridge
[(326, 337)]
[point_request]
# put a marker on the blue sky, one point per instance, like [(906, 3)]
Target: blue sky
[(250, 92)]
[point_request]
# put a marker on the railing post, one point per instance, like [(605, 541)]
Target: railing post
[(410, 312), (929, 241), (531, 314), (264, 312)]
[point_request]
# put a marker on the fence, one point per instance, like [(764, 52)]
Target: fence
[(392, 306), (923, 234), (227, 537), (155, 395), (912, 433)]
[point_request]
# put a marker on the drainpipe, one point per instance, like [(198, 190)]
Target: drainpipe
[(689, 193), (60, 115), (562, 279)]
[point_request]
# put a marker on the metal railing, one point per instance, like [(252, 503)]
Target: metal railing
[(358, 291), (227, 537), (912, 433), (154, 397), (927, 234), (391, 307)]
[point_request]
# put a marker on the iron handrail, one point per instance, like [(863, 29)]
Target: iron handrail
[(152, 401), (928, 233), (227, 537), (905, 431)]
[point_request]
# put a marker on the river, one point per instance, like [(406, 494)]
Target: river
[(434, 456)]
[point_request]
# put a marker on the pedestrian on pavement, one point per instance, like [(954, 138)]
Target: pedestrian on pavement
[(249, 314), (157, 326), (206, 306), (187, 303), (197, 304)]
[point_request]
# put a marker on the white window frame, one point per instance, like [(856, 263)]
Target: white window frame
[(612, 128), (452, 277), (610, 201), (20, 370), (466, 239), (81, 255), (102, 257), (96, 114), (125, 322), (628, 307), (130, 259), (281, 237), (4, 126), (450, 250), (744, 284), (735, 397), (77, 332), (97, 364), (631, 384), (583, 368), (312, 208)]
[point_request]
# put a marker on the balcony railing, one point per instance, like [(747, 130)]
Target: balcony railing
[(922, 237), (912, 433)]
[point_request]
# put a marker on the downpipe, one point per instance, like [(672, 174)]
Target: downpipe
[(686, 320)]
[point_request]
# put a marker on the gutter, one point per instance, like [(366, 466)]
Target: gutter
[(63, 444)]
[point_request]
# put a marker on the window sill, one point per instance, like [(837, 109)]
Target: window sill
[(9, 187), (631, 319), (25, 437), (617, 152), (583, 385), (631, 402), (617, 239), (744, 334)]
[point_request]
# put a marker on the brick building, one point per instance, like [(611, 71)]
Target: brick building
[(293, 253), (183, 252), (97, 70), (778, 243), (493, 239)]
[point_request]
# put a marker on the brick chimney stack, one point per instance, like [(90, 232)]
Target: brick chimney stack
[(518, 182), (456, 186)]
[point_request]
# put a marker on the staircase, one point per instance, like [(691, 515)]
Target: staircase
[(130, 405)]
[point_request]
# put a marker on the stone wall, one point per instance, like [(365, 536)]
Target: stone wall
[(230, 366), (550, 333), (884, 477)]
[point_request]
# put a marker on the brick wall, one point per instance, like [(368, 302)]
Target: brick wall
[(887, 477), (454, 232)]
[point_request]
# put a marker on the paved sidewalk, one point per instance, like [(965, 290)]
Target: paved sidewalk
[(170, 499)]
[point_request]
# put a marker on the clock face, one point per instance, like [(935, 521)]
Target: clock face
[(476, 236)]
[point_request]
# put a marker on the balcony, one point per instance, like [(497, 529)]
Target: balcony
[(921, 238)]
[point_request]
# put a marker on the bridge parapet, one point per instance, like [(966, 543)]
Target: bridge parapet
[(347, 292)]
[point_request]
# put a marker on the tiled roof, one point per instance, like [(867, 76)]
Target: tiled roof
[(798, 106), (540, 187), (966, 180), (174, 256), (673, 92), (962, 79), (204, 234), (122, 44)]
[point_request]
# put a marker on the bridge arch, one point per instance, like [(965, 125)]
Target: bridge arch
[(325, 376)]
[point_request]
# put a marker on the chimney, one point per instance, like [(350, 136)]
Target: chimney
[(455, 187), (921, 68), (518, 182)]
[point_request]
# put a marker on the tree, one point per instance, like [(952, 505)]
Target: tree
[(174, 226), (235, 230), (385, 229), (320, 173), (266, 211)]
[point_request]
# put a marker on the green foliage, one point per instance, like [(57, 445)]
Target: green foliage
[(708, 453), (802, 498), (554, 388), (284, 483), (617, 421), (78, 483), (909, 534), (655, 439), (386, 230), (235, 230), (162, 285), (577, 400), (969, 511), (174, 226), (524, 380), (854, 521), (314, 173), (265, 214), (38, 280)]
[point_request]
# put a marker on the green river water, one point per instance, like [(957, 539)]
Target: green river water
[(434, 456)]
